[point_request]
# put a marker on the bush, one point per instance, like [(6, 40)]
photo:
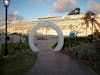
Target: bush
[(20, 59), (0, 52), (97, 45), (12, 47), (84, 39), (69, 43), (54, 45), (0, 49), (85, 51)]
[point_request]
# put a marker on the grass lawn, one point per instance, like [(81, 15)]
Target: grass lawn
[(19, 60)]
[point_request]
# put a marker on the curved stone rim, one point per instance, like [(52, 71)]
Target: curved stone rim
[(52, 25)]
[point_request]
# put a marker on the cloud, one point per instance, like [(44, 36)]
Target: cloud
[(11, 17), (64, 5), (1, 17), (94, 6), (39, 1), (14, 15)]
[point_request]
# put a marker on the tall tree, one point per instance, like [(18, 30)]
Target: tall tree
[(87, 19)]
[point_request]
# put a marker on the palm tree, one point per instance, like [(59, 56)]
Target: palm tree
[(96, 33), (87, 19)]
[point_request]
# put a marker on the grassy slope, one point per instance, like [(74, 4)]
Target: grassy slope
[(20, 59)]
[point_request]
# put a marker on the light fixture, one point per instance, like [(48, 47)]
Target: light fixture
[(6, 3), (92, 20), (92, 16)]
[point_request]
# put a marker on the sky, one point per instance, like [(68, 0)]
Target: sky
[(29, 10)]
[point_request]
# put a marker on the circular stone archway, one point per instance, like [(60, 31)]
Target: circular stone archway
[(52, 25)]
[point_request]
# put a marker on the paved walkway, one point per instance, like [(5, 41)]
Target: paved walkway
[(50, 63)]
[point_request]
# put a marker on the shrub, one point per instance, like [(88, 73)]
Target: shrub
[(12, 47), (19, 60), (0, 52), (83, 39), (69, 43), (97, 45), (0, 49), (54, 45), (85, 51)]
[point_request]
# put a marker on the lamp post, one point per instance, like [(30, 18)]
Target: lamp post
[(6, 4), (92, 20)]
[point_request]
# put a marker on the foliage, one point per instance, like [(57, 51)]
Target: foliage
[(88, 15), (82, 47), (12, 47), (97, 45), (94, 65), (71, 43), (54, 45), (19, 60), (26, 37), (84, 39), (0, 52), (0, 49), (85, 51)]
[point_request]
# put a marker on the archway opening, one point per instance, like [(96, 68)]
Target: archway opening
[(37, 27), (45, 38)]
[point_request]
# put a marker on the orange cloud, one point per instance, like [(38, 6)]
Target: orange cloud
[(64, 5), (94, 6)]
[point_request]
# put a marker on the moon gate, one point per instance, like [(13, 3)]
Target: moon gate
[(52, 25)]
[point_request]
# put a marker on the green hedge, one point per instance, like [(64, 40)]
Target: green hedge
[(82, 47), (71, 43), (86, 51), (0, 52), (0, 49), (12, 47)]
